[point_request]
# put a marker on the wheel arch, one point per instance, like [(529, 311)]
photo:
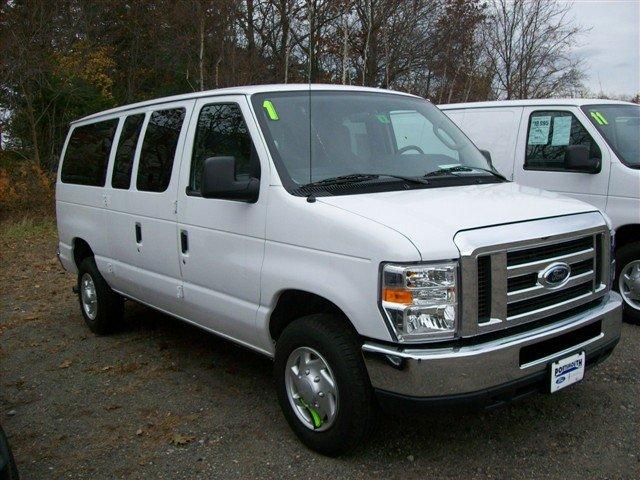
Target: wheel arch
[(292, 304), (627, 234), (81, 250)]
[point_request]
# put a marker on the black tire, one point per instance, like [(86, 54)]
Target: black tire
[(356, 415), (110, 308), (625, 255), (10, 471)]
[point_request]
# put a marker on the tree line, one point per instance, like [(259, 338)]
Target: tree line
[(64, 59)]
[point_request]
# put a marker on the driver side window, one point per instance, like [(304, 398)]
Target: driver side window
[(549, 135), (410, 130), (221, 132)]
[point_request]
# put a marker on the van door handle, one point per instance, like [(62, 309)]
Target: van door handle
[(184, 241), (138, 233)]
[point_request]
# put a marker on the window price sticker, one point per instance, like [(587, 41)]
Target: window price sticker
[(539, 130), (561, 131)]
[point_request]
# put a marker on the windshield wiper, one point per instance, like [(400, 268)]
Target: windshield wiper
[(461, 168), (360, 177)]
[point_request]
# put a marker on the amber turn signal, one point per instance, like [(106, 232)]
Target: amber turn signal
[(397, 295)]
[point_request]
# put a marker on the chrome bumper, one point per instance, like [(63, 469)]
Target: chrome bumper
[(456, 370)]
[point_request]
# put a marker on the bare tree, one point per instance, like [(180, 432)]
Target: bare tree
[(61, 60), (366, 17), (344, 25), (389, 40), (529, 46), (200, 11)]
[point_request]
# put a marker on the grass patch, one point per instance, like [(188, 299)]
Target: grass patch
[(28, 227)]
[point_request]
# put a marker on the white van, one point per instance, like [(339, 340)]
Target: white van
[(587, 149), (354, 235)]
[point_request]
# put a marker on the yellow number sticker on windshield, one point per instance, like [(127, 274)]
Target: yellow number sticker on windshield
[(271, 110), (598, 117)]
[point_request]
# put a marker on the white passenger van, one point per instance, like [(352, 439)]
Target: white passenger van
[(354, 235), (587, 149)]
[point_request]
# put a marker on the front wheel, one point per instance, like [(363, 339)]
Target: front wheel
[(627, 280), (322, 384)]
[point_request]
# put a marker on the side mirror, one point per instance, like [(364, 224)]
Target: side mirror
[(577, 158), (487, 155), (219, 181)]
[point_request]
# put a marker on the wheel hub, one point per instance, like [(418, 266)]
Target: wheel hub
[(629, 284), (88, 296), (311, 388)]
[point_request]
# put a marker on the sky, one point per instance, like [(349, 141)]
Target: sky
[(611, 48)]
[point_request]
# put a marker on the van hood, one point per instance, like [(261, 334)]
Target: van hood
[(431, 217)]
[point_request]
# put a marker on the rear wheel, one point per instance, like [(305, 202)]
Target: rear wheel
[(323, 386), (627, 280), (101, 307)]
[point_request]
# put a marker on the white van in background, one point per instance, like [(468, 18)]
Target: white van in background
[(587, 149)]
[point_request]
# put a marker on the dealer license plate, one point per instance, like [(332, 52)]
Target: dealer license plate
[(567, 371)]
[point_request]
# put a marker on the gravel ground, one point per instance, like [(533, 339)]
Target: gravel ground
[(161, 399)]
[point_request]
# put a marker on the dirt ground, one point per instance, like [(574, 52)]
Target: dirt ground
[(161, 399)]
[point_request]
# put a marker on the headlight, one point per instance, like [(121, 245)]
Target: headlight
[(420, 301)]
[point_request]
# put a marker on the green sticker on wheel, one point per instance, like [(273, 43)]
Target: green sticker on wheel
[(317, 421), (315, 416)]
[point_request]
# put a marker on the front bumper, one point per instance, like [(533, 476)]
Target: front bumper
[(471, 371)]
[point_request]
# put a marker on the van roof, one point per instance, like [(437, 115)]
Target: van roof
[(243, 90), (570, 102)]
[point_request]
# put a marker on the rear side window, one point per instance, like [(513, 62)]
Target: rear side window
[(123, 164), (87, 155), (159, 149), (549, 135), (222, 132)]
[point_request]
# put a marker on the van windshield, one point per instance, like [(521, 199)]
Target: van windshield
[(620, 126), (318, 137)]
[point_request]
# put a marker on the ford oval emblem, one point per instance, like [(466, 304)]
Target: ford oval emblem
[(555, 275)]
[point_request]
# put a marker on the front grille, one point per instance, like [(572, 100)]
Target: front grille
[(582, 267), (510, 288), (530, 280), (524, 306), (521, 282), (528, 297), (484, 288), (548, 251), (598, 258)]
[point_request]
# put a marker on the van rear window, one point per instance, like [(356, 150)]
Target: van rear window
[(87, 155), (121, 177), (159, 149)]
